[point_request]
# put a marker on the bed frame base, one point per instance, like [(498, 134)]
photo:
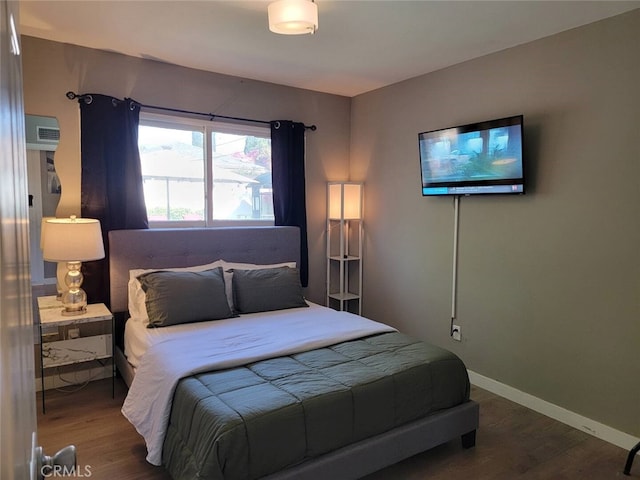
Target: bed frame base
[(370, 455), (123, 367)]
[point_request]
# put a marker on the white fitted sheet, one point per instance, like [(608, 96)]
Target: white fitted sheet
[(138, 338)]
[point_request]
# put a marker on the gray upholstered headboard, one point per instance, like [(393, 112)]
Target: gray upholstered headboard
[(185, 247)]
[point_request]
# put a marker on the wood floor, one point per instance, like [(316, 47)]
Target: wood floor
[(512, 443)]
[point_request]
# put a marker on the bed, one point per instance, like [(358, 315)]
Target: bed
[(338, 396)]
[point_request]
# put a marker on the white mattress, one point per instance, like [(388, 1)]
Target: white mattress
[(138, 338)]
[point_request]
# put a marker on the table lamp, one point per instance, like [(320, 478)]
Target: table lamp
[(73, 240)]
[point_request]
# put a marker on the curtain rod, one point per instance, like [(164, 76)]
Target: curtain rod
[(212, 116)]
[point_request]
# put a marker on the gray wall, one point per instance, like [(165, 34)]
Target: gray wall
[(51, 69), (549, 282)]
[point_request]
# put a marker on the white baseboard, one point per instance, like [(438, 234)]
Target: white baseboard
[(597, 429)]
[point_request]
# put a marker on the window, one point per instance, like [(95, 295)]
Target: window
[(202, 173)]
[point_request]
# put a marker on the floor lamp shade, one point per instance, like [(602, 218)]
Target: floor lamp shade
[(72, 240), (345, 200)]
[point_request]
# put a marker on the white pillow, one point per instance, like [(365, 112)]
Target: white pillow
[(228, 274), (137, 297), (254, 266)]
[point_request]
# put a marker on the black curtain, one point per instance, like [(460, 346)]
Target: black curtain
[(287, 171), (111, 184)]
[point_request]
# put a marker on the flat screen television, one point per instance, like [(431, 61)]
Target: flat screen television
[(479, 158)]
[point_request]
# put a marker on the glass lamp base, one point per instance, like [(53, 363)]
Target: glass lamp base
[(71, 313), (74, 302)]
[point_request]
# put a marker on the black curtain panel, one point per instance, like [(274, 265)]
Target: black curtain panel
[(287, 171), (111, 184)]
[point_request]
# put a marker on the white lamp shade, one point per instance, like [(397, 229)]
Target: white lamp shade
[(345, 201), (293, 17), (72, 239), (43, 230)]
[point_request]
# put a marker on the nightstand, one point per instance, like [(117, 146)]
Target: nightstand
[(69, 340)]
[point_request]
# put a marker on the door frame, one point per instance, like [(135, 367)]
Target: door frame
[(17, 378)]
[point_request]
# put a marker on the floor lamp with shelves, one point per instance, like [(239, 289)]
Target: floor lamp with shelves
[(344, 246)]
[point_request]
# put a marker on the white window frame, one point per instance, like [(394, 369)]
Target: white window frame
[(207, 127)]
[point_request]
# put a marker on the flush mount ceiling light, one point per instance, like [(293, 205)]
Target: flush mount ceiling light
[(293, 17)]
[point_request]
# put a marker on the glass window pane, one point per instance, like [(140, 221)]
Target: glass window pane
[(241, 177), (172, 162)]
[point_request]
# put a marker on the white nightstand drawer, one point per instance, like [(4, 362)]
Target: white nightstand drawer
[(77, 350)]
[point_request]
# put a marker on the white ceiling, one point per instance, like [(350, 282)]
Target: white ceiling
[(360, 45)]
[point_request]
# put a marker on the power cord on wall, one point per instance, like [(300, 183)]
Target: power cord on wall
[(454, 330)]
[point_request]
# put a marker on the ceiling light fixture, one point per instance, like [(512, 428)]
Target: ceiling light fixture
[(293, 17)]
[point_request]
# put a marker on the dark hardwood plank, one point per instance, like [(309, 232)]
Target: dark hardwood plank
[(512, 442)]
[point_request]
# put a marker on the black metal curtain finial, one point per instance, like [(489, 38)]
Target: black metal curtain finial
[(85, 97)]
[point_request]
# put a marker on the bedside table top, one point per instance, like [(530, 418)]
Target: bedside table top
[(50, 301), (96, 312)]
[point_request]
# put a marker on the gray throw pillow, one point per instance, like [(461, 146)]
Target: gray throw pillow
[(173, 298), (267, 289)]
